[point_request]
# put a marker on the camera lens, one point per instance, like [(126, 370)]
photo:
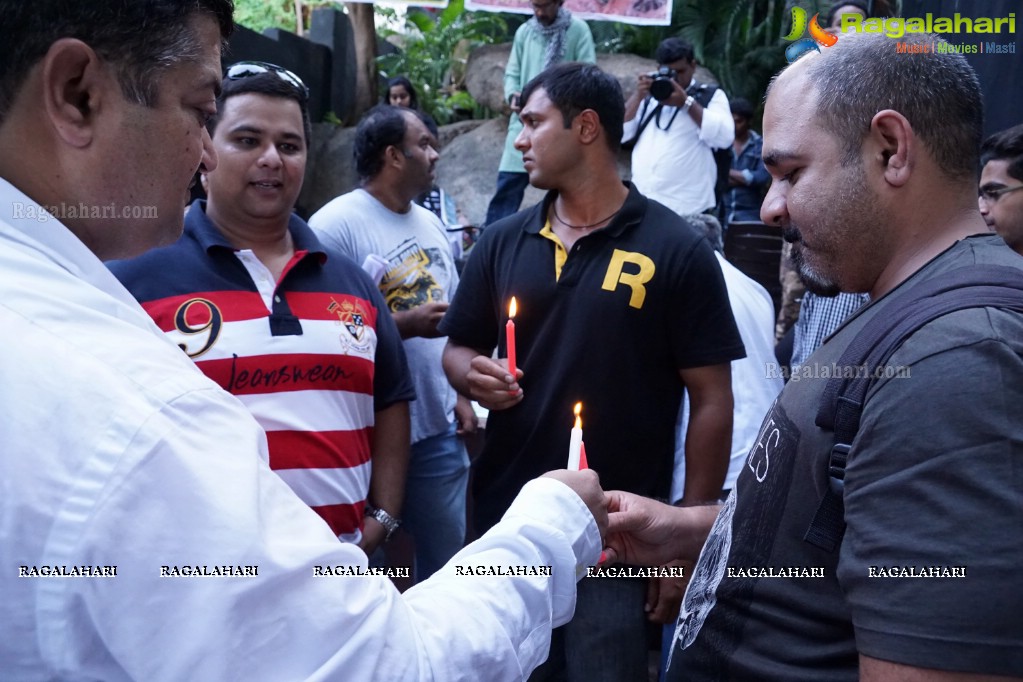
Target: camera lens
[(661, 88)]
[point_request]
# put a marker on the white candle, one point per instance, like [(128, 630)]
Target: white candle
[(575, 442)]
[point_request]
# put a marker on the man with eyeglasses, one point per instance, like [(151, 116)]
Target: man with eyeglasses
[(142, 534), (551, 35), (1001, 179), (298, 332)]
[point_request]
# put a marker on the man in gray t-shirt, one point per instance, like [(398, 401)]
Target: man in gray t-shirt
[(874, 157), (404, 246)]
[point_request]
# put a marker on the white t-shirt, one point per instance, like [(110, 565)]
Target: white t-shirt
[(419, 269)]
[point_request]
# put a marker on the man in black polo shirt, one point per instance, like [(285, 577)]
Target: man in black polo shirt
[(620, 305)]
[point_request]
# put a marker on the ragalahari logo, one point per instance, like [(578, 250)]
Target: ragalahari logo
[(818, 36)]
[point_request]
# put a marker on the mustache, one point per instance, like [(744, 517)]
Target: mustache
[(792, 235)]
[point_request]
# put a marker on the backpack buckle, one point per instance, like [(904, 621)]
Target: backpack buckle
[(836, 467)]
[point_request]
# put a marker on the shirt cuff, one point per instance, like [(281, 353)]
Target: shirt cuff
[(545, 508)]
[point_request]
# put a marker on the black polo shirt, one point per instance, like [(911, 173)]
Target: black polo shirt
[(636, 302)]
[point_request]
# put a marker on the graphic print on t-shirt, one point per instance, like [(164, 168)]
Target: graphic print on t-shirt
[(408, 282), (759, 495)]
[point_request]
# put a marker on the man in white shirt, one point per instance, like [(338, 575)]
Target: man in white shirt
[(675, 128), (144, 535)]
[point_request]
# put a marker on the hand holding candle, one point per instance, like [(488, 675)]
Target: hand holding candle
[(575, 443), (509, 336)]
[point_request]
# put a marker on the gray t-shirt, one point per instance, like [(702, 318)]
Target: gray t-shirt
[(419, 269), (927, 573)]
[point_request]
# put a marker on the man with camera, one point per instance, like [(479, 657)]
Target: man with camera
[(673, 124)]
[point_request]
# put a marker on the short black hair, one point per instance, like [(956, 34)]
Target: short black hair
[(937, 92), (383, 126), (673, 49), (413, 98), (141, 39), (574, 87), (741, 106), (1006, 145), (269, 84)]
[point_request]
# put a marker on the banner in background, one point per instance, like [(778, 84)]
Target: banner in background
[(640, 12)]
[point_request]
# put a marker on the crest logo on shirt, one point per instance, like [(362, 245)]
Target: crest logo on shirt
[(352, 317)]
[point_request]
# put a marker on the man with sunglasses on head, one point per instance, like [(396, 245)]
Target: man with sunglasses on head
[(299, 333), (1001, 179), (142, 534)]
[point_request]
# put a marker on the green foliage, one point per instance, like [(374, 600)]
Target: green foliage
[(260, 15), (739, 41), (433, 53)]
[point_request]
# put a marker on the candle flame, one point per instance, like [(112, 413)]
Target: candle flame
[(513, 307), (577, 410)]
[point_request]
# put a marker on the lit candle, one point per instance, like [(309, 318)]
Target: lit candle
[(575, 442), (509, 336)]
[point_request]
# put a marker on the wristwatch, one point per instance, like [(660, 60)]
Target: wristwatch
[(689, 101), (389, 523)]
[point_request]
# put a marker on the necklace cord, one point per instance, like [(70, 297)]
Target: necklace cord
[(582, 227)]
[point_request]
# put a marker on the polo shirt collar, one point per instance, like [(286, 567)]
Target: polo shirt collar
[(206, 233)]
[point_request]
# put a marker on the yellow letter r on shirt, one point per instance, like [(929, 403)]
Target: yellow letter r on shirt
[(635, 281)]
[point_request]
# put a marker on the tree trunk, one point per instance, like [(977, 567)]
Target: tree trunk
[(361, 16)]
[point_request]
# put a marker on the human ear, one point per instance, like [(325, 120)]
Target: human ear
[(74, 81), (895, 143), (589, 126)]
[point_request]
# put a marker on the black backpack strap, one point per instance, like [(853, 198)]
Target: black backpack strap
[(703, 93), (982, 286)]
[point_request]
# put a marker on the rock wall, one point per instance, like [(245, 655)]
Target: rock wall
[(470, 150)]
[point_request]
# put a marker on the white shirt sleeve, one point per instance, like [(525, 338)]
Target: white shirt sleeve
[(718, 127), (201, 497)]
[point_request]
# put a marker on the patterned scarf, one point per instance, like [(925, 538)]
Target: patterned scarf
[(553, 35)]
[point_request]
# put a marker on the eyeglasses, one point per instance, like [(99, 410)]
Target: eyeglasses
[(991, 195), (248, 69)]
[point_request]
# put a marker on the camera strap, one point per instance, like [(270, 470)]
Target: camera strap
[(644, 121), (657, 115)]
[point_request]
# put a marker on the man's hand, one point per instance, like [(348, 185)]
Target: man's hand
[(678, 95), (515, 102), (421, 320), (664, 595), (650, 533), (491, 385), (465, 417), (643, 82), (373, 534), (585, 484)]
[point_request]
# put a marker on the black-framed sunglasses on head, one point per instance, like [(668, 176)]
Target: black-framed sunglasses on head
[(247, 69)]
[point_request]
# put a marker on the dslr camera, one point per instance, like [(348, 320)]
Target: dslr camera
[(663, 85)]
